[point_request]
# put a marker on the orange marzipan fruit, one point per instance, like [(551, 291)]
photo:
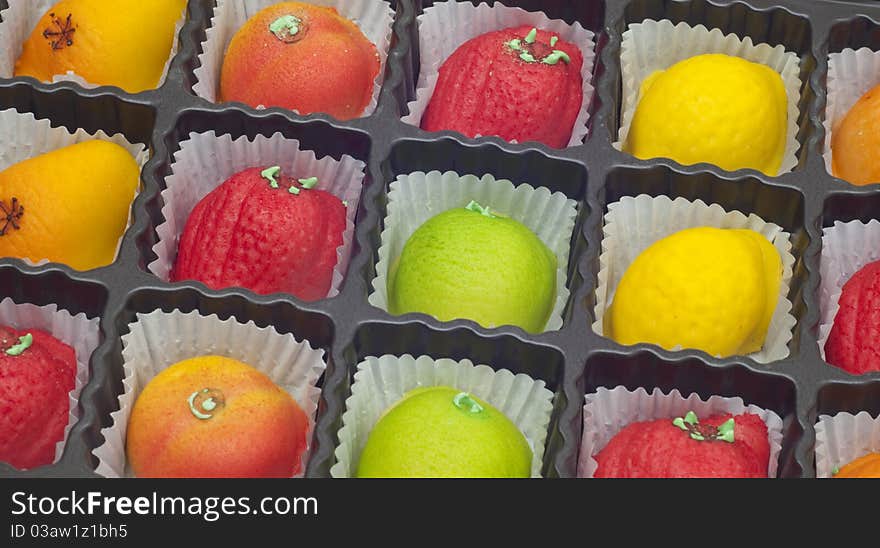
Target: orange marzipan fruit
[(301, 57), (855, 144), (69, 205), (124, 43), (252, 428), (863, 467)]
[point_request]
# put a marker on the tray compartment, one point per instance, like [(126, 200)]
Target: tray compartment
[(644, 369)]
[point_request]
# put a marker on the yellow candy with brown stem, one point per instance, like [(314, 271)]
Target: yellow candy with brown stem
[(124, 43), (68, 206)]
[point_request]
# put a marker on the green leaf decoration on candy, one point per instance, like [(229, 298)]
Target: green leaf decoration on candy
[(270, 175), (24, 342), (286, 28), (205, 403), (525, 48), (555, 57), (705, 432), (466, 403), (294, 190), (725, 431), (477, 208), (309, 183)]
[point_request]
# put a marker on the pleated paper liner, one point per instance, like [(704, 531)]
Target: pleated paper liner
[(19, 20), (382, 381), (77, 331), (650, 46), (635, 223), (160, 339), (607, 412), (24, 137), (206, 160), (417, 197), (445, 26), (851, 74), (374, 17), (843, 438)]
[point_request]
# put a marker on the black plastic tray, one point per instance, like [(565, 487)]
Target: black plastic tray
[(572, 361)]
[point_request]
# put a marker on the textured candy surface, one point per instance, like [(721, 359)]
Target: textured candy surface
[(126, 45), (866, 466), (301, 57), (213, 416), (246, 233), (463, 264), (707, 288), (487, 88), (659, 449), (856, 141), (34, 402), (854, 341), (70, 205)]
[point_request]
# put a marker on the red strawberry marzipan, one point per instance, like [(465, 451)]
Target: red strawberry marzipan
[(720, 446), (266, 232), (37, 373), (521, 84), (853, 344)]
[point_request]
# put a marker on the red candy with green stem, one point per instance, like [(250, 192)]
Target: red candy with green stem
[(521, 84), (37, 373), (719, 446), (264, 231)]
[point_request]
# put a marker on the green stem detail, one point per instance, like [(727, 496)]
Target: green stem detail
[(477, 208), (24, 343), (271, 174), (204, 403), (309, 183), (526, 47), (466, 403), (286, 28), (705, 432)]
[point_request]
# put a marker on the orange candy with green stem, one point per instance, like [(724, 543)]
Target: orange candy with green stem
[(213, 416), (124, 43), (301, 57)]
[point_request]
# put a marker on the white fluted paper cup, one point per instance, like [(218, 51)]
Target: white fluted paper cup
[(375, 18), (607, 412), (77, 331), (417, 197), (650, 46), (851, 74), (160, 339), (24, 137), (206, 160), (445, 26), (635, 223), (19, 20), (381, 382), (843, 438), (846, 248)]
